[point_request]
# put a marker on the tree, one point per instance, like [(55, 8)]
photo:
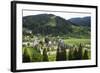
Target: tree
[(26, 57), (45, 56), (61, 51), (79, 56), (70, 54), (64, 54), (28, 44), (61, 55), (85, 56), (47, 40), (75, 54)]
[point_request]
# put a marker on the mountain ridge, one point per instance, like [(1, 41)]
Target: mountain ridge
[(50, 24), (84, 21)]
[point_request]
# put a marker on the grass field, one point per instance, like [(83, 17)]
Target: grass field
[(75, 41), (31, 54)]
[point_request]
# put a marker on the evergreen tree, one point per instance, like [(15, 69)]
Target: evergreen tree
[(26, 57), (61, 51), (45, 56), (28, 44), (79, 56), (58, 55), (75, 54), (85, 56), (64, 57), (70, 54), (61, 54)]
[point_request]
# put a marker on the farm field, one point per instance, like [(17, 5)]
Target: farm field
[(77, 41)]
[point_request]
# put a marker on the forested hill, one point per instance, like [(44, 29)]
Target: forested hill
[(85, 21), (49, 24)]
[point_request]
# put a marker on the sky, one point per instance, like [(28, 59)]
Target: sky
[(66, 15)]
